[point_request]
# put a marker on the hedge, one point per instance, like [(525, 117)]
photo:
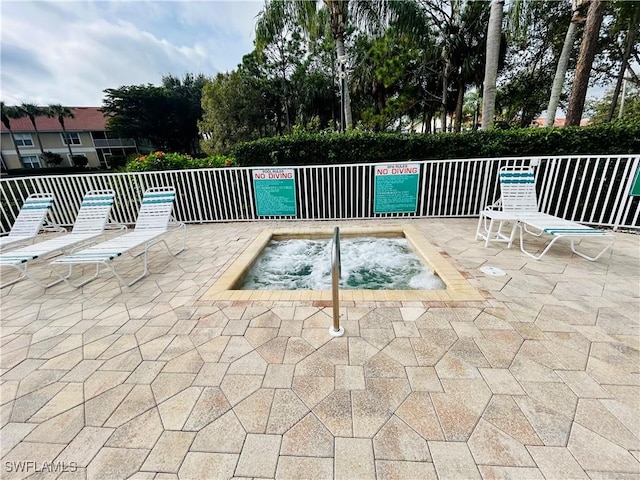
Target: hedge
[(363, 147), (175, 161)]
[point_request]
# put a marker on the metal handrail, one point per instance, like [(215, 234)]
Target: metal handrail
[(336, 271)]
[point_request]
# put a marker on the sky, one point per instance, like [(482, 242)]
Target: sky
[(69, 52)]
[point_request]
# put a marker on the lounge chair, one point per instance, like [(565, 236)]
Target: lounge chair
[(90, 223), (538, 224), (518, 204), (518, 195), (152, 225), (30, 221)]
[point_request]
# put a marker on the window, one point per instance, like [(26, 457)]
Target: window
[(71, 138), (31, 161), (23, 139)]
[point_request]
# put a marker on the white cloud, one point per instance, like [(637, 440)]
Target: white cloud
[(69, 52)]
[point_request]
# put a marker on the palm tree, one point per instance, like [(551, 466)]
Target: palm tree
[(590, 36), (563, 62), (632, 10), (61, 113), (7, 114), (494, 32), (305, 14), (32, 111)]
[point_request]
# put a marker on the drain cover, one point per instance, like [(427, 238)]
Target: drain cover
[(494, 271)]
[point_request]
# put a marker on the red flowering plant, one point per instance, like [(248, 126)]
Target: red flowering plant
[(174, 161)]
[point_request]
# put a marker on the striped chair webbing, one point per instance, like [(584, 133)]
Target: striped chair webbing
[(94, 212)]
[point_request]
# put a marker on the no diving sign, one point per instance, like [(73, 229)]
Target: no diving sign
[(396, 188)]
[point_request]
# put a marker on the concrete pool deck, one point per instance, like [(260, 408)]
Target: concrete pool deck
[(540, 379)]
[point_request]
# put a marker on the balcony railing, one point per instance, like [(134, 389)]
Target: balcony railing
[(114, 142), (593, 190)]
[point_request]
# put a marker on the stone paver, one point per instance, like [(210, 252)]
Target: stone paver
[(539, 379)]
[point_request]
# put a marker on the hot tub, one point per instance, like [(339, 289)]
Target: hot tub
[(445, 284)]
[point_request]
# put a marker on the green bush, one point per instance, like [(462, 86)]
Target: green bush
[(51, 158), (362, 147), (175, 161), (80, 161)]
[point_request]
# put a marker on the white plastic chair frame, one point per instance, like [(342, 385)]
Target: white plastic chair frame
[(541, 223), (30, 221), (89, 224), (518, 195), (519, 201), (152, 225)]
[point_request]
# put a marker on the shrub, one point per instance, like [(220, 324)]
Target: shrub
[(175, 161), (80, 160), (51, 158), (363, 147)]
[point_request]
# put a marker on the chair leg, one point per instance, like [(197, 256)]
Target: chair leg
[(555, 238), (24, 274), (585, 256), (145, 269), (21, 276), (523, 250), (479, 235)]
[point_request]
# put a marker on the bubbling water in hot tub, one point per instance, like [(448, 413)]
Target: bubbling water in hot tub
[(368, 263)]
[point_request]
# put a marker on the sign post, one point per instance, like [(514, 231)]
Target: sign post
[(275, 191), (396, 188)]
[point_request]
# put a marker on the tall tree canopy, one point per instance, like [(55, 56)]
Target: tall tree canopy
[(409, 62), (167, 115)]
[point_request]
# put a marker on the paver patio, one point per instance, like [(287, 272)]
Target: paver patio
[(540, 380)]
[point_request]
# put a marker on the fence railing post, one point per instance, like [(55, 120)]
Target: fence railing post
[(336, 330)]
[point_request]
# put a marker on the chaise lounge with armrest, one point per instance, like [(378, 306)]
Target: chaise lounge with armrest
[(30, 221), (90, 223), (518, 205), (152, 225)]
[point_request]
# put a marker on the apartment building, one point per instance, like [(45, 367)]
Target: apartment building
[(86, 134)]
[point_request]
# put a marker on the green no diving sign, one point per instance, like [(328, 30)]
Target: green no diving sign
[(635, 187), (275, 191), (396, 188)]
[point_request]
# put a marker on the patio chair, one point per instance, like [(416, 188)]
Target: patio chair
[(538, 224), (90, 223), (152, 225), (518, 195), (518, 204), (30, 221)]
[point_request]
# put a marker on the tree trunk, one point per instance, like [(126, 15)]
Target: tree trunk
[(67, 140), (631, 38), (445, 89), (459, 104), (585, 62), (348, 118), (15, 144), (33, 122), (561, 71), (494, 32)]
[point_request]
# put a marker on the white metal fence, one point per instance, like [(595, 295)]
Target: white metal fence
[(589, 189)]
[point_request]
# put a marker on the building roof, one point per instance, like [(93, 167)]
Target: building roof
[(85, 119), (559, 122)]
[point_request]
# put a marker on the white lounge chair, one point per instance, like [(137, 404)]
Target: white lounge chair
[(90, 223), (30, 221), (538, 224), (151, 226), (518, 195), (518, 204)]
